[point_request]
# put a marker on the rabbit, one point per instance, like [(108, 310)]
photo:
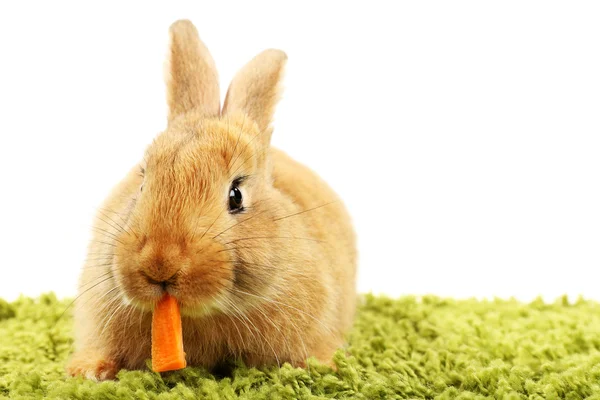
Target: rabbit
[(259, 252)]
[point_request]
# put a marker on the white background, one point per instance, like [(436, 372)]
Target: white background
[(463, 136)]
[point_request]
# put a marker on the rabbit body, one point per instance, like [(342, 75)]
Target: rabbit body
[(257, 249)]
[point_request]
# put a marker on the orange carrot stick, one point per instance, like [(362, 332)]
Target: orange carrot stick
[(167, 337)]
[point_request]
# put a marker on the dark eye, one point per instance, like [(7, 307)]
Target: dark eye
[(235, 200)]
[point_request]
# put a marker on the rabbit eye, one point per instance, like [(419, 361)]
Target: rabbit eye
[(235, 200)]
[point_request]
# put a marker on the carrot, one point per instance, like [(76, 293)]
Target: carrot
[(167, 337)]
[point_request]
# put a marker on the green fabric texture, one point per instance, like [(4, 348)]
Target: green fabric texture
[(409, 347)]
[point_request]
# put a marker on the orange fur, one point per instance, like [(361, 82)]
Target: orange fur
[(273, 284)]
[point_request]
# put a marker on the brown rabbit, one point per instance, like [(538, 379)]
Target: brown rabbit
[(257, 249)]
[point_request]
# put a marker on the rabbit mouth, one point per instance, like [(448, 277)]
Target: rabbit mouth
[(192, 309), (199, 293)]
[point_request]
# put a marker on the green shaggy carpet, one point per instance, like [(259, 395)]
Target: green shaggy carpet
[(403, 348)]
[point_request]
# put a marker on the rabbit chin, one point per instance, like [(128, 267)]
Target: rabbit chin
[(203, 308)]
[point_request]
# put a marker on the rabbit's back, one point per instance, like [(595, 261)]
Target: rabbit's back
[(323, 214)]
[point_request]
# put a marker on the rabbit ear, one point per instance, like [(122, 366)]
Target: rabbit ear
[(190, 73), (255, 88)]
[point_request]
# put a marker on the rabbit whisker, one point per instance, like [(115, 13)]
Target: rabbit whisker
[(122, 219), (305, 211), (274, 237), (230, 307), (79, 296), (99, 300), (114, 224), (224, 307), (107, 234), (241, 150), (239, 223), (101, 242), (101, 254), (211, 225), (274, 268), (253, 154), (285, 305), (265, 340), (114, 304), (236, 248), (94, 279), (235, 147), (96, 266), (108, 260), (115, 312)]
